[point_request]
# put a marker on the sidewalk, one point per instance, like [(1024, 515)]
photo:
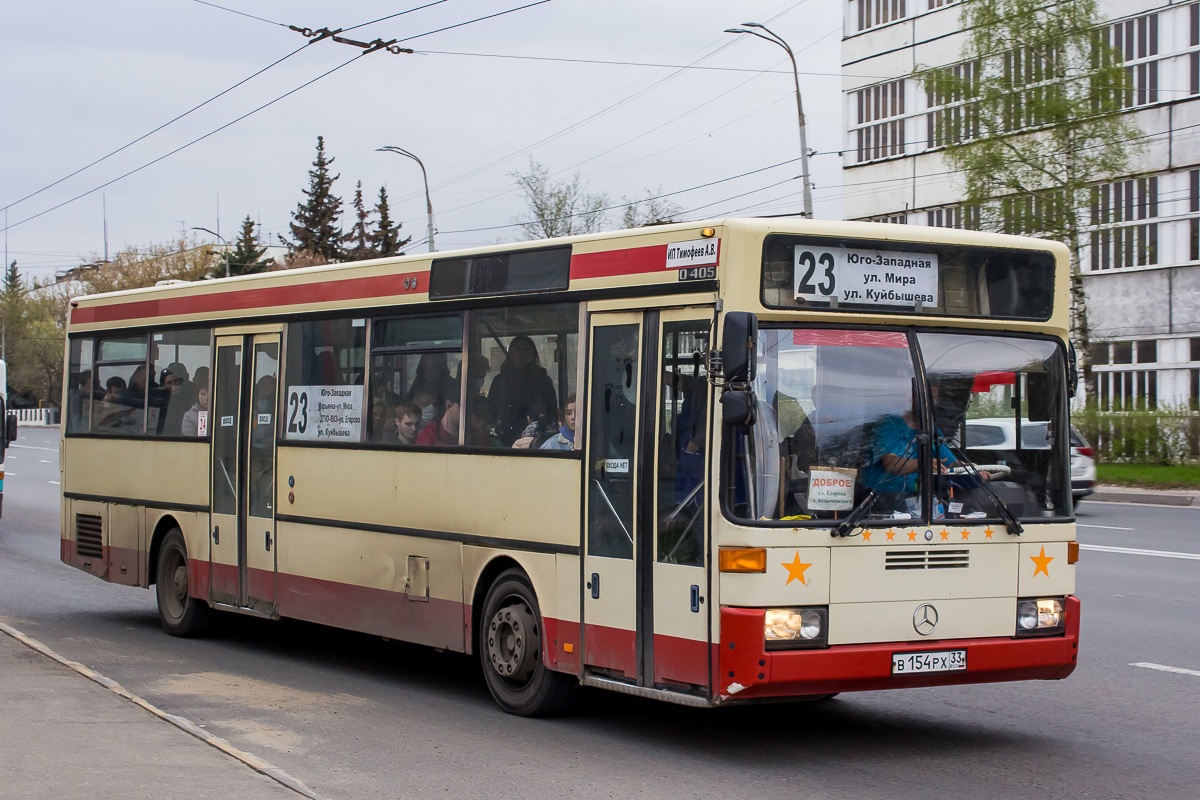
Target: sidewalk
[(64, 736), (1161, 497)]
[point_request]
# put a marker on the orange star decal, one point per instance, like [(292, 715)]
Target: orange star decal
[(987, 534), (866, 534), (891, 534), (965, 534), (1043, 563), (912, 536), (796, 570), (945, 534)]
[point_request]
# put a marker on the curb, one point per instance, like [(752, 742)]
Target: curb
[(1149, 498)]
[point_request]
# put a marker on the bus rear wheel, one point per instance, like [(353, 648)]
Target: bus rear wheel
[(510, 650), (180, 613)]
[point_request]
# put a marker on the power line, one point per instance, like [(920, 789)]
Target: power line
[(239, 13)]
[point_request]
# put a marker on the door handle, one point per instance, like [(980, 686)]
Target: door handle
[(216, 534), (268, 541), (696, 598), (594, 585)]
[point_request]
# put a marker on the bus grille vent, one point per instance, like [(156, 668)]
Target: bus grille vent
[(927, 559), (89, 538)]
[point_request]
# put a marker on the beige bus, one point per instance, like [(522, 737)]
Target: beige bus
[(708, 463)]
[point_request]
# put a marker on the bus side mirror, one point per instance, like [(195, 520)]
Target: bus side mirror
[(1072, 371), (737, 407), (739, 344)]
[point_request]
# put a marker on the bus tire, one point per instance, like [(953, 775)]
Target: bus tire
[(180, 614), (510, 651)]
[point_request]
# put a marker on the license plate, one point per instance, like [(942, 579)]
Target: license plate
[(940, 661)]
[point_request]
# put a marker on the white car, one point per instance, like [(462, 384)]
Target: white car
[(1000, 433)]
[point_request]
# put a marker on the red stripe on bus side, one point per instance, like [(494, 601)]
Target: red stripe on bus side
[(619, 262), (250, 299), (611, 648), (680, 660)]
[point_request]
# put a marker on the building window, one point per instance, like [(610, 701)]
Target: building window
[(1118, 210), (880, 129), (1127, 391), (1135, 42), (1147, 352), (939, 3), (953, 116), (891, 219), (1194, 40), (879, 12)]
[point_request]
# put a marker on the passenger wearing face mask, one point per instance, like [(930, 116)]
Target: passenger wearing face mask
[(444, 432), (522, 393), (425, 401)]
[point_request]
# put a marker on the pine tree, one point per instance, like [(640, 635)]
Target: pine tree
[(385, 239), (315, 222), (357, 240), (12, 281), (246, 258)]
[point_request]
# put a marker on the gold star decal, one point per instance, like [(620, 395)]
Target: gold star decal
[(866, 534), (965, 534), (987, 534), (945, 534), (796, 570), (891, 534), (912, 536), (1043, 563)]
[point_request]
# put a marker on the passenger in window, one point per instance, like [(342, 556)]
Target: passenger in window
[(174, 380), (381, 423), (425, 401), (190, 425), (407, 418), (480, 419), (444, 432), (565, 438), (109, 411), (433, 377), (523, 392), (135, 391)]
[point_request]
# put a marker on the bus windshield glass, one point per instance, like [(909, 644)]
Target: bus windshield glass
[(822, 273), (842, 425)]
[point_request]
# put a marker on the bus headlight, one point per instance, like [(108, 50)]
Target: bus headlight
[(796, 627), (1040, 616)]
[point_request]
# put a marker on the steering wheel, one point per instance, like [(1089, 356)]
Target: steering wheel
[(997, 470)]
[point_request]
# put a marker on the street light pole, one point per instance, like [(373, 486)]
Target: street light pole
[(428, 203), (222, 238), (775, 38)]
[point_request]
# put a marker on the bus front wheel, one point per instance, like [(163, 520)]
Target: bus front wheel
[(180, 613), (510, 649)]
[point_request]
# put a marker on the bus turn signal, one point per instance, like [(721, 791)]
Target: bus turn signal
[(749, 559)]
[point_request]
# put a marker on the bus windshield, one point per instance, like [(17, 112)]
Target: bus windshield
[(845, 418)]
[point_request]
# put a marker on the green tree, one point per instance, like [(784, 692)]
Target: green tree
[(136, 267), (356, 241), (31, 320), (12, 281), (246, 258), (562, 208), (1035, 122), (315, 231), (385, 239), (650, 210)]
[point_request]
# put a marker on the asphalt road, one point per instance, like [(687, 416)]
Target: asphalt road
[(355, 717)]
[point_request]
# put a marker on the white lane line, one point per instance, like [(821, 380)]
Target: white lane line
[(1164, 668), (56, 483), (45, 461), (31, 447), (1134, 551), (1105, 527)]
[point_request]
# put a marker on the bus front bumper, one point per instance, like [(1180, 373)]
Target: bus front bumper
[(747, 670)]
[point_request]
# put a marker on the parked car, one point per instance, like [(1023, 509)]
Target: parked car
[(1000, 433)]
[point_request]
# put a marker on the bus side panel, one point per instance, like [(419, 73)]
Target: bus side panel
[(401, 587), (543, 572), (83, 542), (124, 543)]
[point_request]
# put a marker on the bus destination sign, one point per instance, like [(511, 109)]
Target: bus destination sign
[(865, 277)]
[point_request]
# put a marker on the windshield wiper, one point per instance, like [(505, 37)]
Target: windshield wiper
[(1010, 521), (846, 526)]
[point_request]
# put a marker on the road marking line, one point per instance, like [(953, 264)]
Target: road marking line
[(1163, 668), (1133, 551), (249, 759), (1105, 527), (56, 483), (31, 447), (45, 461)]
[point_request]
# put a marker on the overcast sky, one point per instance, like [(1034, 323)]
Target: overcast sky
[(84, 78)]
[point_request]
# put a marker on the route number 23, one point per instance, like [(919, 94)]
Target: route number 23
[(298, 408), (810, 263)]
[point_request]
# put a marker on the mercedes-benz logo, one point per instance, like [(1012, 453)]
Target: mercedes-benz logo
[(925, 619)]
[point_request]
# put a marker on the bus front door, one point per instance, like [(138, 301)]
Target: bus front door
[(645, 610), (243, 560)]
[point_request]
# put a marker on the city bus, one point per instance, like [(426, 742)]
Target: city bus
[(709, 463)]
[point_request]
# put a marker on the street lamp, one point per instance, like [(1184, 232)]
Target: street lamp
[(428, 203), (222, 238), (775, 38)]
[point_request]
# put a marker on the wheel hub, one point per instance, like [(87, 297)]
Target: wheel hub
[(512, 643)]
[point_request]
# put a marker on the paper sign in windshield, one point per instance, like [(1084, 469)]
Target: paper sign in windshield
[(831, 489), (870, 277), (325, 413)]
